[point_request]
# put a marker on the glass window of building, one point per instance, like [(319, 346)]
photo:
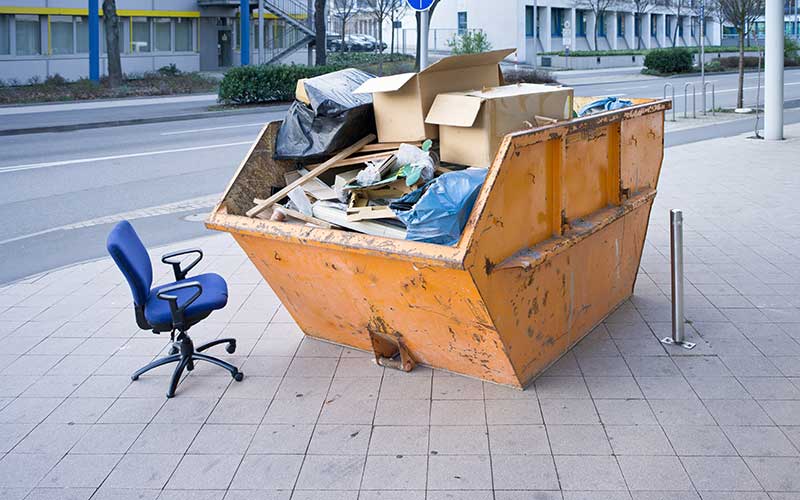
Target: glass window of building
[(5, 34), (668, 27), (653, 25), (62, 40), (162, 28), (601, 24), (529, 20), (29, 34), (462, 23), (680, 26), (140, 34), (620, 25), (557, 22), (580, 20), (637, 25), (183, 35)]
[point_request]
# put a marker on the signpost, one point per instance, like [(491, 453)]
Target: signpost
[(94, 41), (703, 51), (566, 37), (422, 7)]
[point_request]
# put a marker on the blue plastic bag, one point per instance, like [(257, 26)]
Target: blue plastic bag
[(604, 104), (443, 206)]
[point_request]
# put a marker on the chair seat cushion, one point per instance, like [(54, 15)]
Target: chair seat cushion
[(214, 296)]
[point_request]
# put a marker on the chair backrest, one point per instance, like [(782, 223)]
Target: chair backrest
[(132, 259)]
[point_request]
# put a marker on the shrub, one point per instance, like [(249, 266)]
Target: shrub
[(732, 62), (469, 42), (266, 83), (170, 70), (355, 59), (55, 80), (526, 75), (714, 66), (673, 60), (790, 48)]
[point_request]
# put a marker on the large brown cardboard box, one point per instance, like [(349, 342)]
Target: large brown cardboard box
[(402, 101), (472, 124)]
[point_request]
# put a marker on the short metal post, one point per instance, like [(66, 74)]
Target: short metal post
[(669, 85), (676, 261), (713, 99)]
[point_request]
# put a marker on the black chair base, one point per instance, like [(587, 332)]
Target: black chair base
[(184, 353)]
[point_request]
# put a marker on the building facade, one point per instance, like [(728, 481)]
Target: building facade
[(42, 38)]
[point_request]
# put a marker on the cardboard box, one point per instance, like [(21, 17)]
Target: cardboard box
[(472, 124), (402, 101)]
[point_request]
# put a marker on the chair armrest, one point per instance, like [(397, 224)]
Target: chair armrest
[(170, 258), (175, 309)]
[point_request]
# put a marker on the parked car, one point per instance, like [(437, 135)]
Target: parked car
[(373, 42), (352, 43)]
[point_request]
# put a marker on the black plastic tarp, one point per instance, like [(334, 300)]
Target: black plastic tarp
[(335, 119)]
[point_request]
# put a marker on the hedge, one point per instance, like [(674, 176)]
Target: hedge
[(266, 83), (674, 60)]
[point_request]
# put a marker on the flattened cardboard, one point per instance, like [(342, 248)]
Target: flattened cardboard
[(472, 124), (402, 102)]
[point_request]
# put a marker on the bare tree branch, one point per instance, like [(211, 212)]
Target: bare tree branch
[(741, 14), (598, 8)]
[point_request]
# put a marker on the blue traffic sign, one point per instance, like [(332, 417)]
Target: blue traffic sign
[(420, 5)]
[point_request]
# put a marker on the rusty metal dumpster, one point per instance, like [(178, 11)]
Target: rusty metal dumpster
[(552, 247)]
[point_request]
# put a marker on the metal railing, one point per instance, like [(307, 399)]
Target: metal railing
[(713, 99), (685, 99), (666, 86)]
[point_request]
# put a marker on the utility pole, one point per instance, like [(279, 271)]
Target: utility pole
[(536, 34), (703, 51), (94, 40), (773, 78)]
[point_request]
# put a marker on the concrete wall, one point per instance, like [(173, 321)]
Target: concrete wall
[(22, 69)]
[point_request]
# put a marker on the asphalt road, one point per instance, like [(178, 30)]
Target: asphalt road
[(60, 193)]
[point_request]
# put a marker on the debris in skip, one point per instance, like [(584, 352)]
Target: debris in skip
[(467, 225)]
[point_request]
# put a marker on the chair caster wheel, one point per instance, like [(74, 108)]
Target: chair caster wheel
[(231, 348), (238, 376)]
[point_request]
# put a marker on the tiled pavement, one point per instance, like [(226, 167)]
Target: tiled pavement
[(619, 417)]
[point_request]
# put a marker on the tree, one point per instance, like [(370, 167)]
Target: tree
[(343, 10), (381, 10), (678, 6), (640, 8), (396, 13), (598, 8), (741, 14), (418, 17), (320, 34), (111, 23)]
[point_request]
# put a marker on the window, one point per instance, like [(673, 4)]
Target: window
[(462, 23), (557, 22), (601, 25), (637, 26), (620, 25), (140, 34), (162, 30), (680, 26), (82, 35), (5, 34), (279, 34), (669, 26), (529, 21), (61, 35), (184, 35), (29, 34), (653, 25), (691, 26), (580, 18)]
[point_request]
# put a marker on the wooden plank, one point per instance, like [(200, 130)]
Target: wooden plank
[(303, 217), (355, 160), (339, 217), (319, 170), (387, 146)]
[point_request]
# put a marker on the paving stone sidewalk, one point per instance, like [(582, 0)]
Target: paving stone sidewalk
[(620, 417)]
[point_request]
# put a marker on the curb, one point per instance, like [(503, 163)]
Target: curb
[(132, 121)]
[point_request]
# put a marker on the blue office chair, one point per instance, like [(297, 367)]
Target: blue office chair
[(173, 307)]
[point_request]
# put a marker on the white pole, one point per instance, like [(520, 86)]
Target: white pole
[(423, 39), (703, 52), (261, 32), (535, 35), (773, 79)]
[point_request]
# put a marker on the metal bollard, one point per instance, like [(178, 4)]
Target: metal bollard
[(713, 99), (694, 100), (673, 97), (676, 261)]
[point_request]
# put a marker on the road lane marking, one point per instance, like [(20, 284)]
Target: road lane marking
[(34, 166), (191, 131), (141, 213)]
